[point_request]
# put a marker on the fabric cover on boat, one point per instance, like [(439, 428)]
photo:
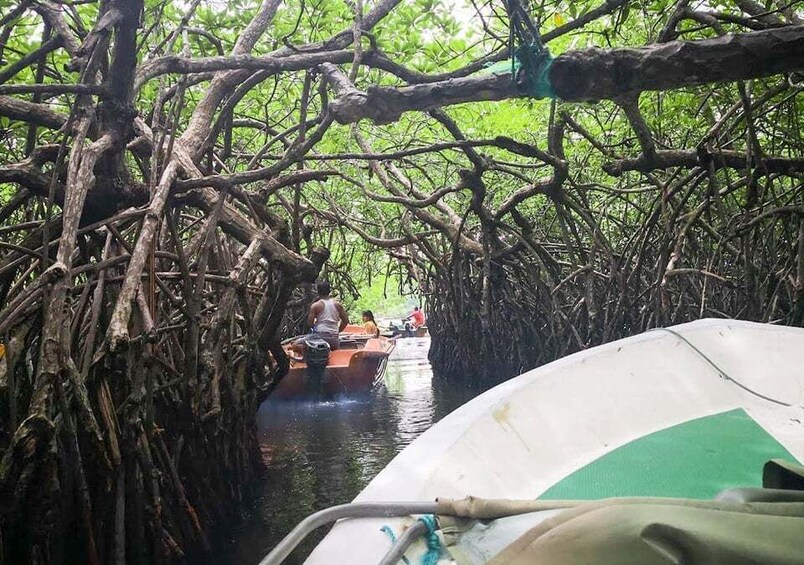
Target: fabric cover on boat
[(664, 534), (643, 531)]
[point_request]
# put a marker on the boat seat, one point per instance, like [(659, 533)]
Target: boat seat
[(374, 345), (340, 358)]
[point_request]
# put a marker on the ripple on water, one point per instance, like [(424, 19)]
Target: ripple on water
[(318, 454)]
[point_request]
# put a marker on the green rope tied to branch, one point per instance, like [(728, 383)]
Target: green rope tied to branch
[(530, 58), (530, 68)]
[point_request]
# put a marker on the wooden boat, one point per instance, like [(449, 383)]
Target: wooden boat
[(686, 412), (355, 368)]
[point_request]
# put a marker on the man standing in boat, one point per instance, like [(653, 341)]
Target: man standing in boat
[(327, 317)]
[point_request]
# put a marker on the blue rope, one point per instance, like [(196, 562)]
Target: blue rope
[(433, 543), (387, 530), (431, 537)]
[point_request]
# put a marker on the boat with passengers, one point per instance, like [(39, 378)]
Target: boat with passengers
[(356, 367), (678, 445)]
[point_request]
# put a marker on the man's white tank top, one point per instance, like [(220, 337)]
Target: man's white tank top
[(328, 320)]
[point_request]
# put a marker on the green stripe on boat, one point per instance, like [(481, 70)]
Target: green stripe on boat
[(695, 459)]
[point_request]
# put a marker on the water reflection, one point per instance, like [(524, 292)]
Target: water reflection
[(321, 454)]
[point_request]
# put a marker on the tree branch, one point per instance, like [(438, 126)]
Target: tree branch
[(702, 158), (597, 74)]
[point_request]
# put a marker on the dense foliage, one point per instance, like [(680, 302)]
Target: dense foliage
[(174, 176)]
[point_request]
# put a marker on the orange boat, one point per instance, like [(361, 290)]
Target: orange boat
[(356, 367)]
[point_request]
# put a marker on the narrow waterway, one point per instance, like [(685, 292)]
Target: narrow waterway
[(321, 454)]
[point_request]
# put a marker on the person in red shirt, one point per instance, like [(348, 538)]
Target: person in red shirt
[(417, 317)]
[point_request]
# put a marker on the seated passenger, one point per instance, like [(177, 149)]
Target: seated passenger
[(369, 324)]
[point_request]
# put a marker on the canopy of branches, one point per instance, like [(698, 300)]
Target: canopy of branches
[(173, 175)]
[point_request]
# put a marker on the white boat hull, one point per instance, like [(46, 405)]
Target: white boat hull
[(525, 436)]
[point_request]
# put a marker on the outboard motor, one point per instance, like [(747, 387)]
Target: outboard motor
[(316, 355)]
